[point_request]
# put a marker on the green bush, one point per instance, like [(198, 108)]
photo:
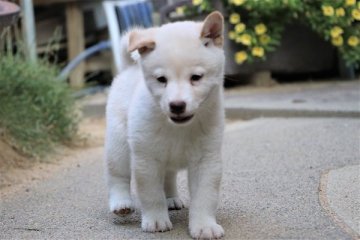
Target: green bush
[(36, 112), (257, 25)]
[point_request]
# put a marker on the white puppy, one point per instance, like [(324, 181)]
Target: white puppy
[(165, 113)]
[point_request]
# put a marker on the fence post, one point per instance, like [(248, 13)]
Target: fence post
[(28, 29)]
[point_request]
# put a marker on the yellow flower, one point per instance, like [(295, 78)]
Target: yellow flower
[(180, 10), (240, 27), (238, 39), (240, 57), (337, 41), (234, 18), (328, 10), (356, 14), (340, 12), (260, 29), (257, 51), (264, 39), (245, 39), (197, 2), (237, 2), (336, 31), (350, 2), (232, 35), (353, 41)]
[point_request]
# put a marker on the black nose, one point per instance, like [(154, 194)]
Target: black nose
[(177, 107)]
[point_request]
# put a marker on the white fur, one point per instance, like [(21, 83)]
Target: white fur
[(143, 141)]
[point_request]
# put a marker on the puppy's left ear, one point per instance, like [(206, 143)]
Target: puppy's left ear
[(141, 40), (213, 28)]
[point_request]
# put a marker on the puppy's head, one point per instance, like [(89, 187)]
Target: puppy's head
[(182, 62)]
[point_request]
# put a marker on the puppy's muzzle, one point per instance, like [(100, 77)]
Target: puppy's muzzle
[(178, 108)]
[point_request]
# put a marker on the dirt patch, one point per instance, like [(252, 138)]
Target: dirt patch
[(16, 169), (92, 130), (10, 159)]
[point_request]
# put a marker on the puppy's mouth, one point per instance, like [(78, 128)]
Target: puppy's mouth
[(181, 119)]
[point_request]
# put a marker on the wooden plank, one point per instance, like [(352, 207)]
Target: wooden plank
[(76, 42), (49, 2)]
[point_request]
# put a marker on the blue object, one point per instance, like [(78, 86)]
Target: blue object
[(82, 56), (128, 15), (138, 14)]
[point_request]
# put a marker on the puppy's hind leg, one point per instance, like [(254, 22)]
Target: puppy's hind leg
[(118, 171), (172, 196)]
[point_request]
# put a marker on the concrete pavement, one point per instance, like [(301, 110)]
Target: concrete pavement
[(284, 178), (326, 99), (272, 174)]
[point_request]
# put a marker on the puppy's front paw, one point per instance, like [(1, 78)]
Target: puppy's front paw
[(156, 223), (206, 231), (121, 206), (175, 203)]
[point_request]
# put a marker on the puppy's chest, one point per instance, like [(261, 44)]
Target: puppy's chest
[(178, 148)]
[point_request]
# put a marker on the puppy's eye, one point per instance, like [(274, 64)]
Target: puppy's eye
[(162, 79), (195, 77)]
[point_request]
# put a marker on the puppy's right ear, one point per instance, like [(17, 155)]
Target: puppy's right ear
[(141, 40), (213, 28)]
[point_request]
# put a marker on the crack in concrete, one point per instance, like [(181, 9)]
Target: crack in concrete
[(324, 202)]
